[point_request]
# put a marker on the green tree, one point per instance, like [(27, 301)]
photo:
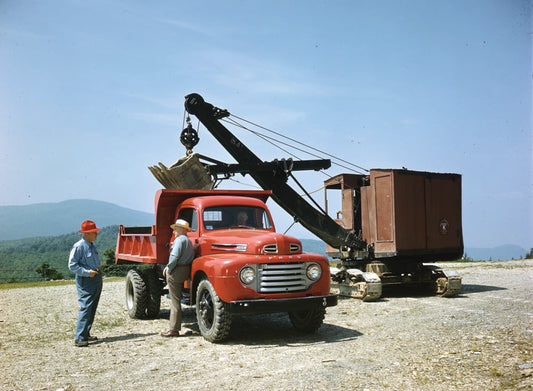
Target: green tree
[(110, 269), (48, 272), (529, 255), (466, 258)]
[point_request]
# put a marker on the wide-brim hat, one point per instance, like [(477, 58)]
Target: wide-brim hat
[(88, 226), (181, 224)]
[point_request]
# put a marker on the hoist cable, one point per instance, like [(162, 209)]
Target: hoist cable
[(298, 142), (307, 194), (290, 226), (245, 184), (265, 137), (317, 190)]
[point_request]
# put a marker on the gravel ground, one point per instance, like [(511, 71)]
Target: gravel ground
[(480, 340)]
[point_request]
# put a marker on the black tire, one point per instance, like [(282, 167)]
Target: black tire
[(136, 295), (153, 285), (213, 315), (308, 321)]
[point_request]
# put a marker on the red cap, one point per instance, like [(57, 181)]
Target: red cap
[(88, 226)]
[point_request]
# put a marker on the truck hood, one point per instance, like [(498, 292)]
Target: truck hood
[(250, 242)]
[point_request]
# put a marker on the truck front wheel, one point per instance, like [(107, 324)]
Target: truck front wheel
[(308, 321), (214, 318), (136, 295)]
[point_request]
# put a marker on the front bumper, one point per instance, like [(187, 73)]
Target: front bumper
[(262, 306)]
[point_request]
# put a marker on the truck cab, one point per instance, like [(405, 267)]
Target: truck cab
[(241, 266)]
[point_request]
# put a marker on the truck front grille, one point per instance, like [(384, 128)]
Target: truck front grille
[(284, 277)]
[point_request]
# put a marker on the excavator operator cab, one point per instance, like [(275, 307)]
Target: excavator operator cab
[(348, 213)]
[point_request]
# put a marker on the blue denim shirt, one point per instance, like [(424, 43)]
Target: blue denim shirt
[(83, 258)]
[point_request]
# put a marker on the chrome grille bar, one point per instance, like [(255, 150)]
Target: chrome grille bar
[(280, 278)]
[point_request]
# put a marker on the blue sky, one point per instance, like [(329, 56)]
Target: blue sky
[(91, 93)]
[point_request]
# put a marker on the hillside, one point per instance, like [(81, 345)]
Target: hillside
[(58, 218), (19, 258)]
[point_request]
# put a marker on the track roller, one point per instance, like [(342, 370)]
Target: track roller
[(447, 283), (355, 283)]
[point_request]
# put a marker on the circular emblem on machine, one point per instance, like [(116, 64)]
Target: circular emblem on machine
[(444, 226)]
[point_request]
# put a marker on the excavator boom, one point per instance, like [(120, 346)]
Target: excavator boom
[(275, 179)]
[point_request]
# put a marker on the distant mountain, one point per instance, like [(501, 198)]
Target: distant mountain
[(313, 246), (51, 219), (499, 253)]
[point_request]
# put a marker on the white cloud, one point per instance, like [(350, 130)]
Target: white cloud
[(237, 71), (187, 26)]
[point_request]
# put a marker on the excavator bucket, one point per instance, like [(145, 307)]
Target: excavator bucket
[(187, 173)]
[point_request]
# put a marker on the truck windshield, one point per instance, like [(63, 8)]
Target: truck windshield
[(236, 216)]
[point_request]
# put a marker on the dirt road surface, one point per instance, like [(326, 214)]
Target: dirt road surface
[(480, 340)]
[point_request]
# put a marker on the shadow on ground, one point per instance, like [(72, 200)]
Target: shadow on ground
[(125, 337), (267, 329), (473, 288), (414, 291)]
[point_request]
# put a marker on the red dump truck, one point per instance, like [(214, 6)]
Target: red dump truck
[(240, 268)]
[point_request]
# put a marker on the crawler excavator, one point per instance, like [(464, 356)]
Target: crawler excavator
[(392, 223)]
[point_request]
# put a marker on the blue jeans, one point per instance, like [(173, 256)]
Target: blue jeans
[(89, 290)]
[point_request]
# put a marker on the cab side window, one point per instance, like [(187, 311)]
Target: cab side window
[(189, 215)]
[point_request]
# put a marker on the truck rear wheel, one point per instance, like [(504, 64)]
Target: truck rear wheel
[(153, 303), (308, 321), (136, 295), (214, 318)]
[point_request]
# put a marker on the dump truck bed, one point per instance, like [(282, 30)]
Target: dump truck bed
[(151, 244)]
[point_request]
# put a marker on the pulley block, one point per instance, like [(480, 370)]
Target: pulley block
[(189, 137)]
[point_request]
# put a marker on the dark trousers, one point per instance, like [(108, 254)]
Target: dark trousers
[(175, 280)]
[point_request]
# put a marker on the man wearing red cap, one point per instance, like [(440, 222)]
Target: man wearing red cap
[(85, 263)]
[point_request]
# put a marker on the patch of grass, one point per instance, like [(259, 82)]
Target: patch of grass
[(108, 323), (494, 265), (40, 284), (17, 285)]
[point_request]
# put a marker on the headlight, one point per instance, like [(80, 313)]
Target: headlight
[(314, 272), (247, 275)]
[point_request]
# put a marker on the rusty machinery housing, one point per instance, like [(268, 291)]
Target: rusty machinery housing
[(405, 215)]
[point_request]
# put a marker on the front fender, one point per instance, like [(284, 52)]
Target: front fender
[(223, 272)]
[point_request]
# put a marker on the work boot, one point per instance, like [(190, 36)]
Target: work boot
[(81, 343), (170, 333)]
